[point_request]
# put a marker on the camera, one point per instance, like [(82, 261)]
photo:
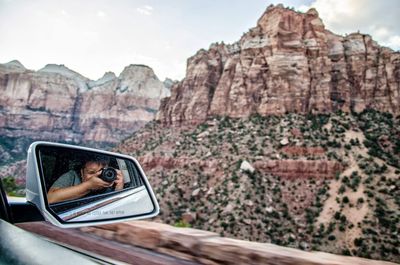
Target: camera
[(108, 174)]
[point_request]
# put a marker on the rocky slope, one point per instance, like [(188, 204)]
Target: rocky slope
[(58, 104), (316, 182), (290, 136), (289, 62)]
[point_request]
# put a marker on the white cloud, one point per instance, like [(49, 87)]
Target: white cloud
[(303, 8), (65, 13), (394, 42), (145, 10), (101, 13), (143, 59), (372, 17), (380, 32)]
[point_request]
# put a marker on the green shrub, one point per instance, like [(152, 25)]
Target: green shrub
[(331, 237), (182, 223)]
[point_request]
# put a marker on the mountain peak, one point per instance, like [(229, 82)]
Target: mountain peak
[(141, 80), (107, 77), (312, 11), (136, 70), (16, 64), (13, 66), (62, 70), (284, 20), (287, 63), (54, 67)]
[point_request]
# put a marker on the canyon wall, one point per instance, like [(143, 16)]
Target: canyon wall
[(289, 62), (58, 104)]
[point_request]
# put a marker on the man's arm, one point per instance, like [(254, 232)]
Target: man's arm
[(69, 193), (75, 192)]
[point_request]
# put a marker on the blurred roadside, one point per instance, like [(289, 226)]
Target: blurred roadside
[(143, 242)]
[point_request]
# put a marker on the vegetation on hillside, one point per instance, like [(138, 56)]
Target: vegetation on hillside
[(356, 212)]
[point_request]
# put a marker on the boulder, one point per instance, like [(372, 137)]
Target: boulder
[(247, 167)]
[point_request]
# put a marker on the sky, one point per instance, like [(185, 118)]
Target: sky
[(96, 36)]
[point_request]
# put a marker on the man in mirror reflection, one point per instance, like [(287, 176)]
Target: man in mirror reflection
[(85, 181)]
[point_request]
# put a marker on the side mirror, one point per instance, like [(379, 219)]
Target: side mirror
[(75, 186)]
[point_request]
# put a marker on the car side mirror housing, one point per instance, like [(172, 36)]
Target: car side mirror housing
[(75, 186)]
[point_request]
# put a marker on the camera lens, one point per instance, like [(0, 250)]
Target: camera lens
[(108, 174)]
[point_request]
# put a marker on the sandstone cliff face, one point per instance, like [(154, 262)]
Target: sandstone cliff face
[(289, 62), (58, 104)]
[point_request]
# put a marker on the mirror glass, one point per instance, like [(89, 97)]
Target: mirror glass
[(82, 185)]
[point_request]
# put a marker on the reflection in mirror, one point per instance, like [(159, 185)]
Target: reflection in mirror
[(84, 185)]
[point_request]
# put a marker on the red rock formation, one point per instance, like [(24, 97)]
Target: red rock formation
[(289, 62), (295, 169), (288, 168), (149, 162), (58, 104)]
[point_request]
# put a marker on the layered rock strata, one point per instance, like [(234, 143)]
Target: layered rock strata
[(289, 62), (295, 169), (58, 104), (286, 168)]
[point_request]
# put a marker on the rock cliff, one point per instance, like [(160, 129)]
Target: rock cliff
[(58, 104), (289, 62)]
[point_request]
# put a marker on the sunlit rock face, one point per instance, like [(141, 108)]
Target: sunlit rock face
[(289, 62), (58, 104)]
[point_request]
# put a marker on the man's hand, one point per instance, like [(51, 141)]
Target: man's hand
[(96, 183), (119, 181)]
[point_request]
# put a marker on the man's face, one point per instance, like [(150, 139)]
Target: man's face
[(91, 169)]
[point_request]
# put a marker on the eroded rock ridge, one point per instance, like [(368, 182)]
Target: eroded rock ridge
[(289, 62), (58, 104)]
